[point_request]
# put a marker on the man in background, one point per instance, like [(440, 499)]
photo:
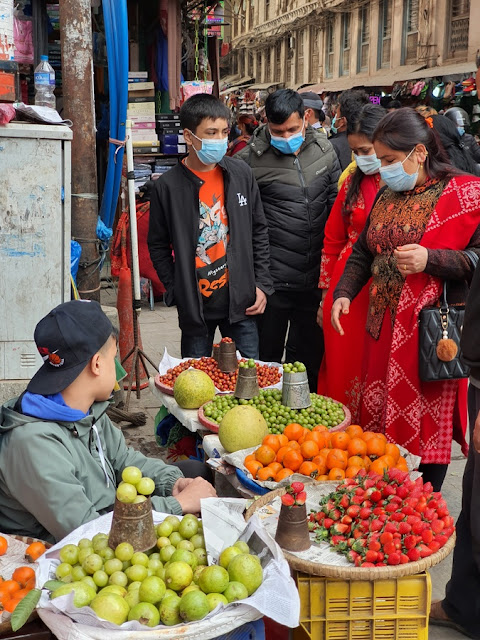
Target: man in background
[(314, 114), (297, 172)]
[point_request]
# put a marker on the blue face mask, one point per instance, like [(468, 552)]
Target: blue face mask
[(396, 178), (368, 164), (288, 145), (212, 151), (461, 131), (332, 126)]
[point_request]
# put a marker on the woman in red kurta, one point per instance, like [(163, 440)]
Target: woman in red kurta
[(413, 241), (340, 372)]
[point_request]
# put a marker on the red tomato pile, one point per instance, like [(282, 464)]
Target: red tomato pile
[(267, 376), (378, 521)]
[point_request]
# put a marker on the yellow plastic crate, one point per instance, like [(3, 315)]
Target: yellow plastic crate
[(395, 609)]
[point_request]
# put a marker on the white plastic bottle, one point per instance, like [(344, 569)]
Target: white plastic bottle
[(44, 78)]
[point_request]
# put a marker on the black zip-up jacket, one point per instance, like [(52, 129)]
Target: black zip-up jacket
[(175, 224), (298, 193)]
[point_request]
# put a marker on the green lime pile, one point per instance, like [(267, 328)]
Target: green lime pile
[(269, 402), (167, 585)]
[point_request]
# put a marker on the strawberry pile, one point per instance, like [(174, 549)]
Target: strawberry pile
[(379, 521), (296, 495)]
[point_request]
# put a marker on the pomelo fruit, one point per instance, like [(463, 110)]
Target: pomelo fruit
[(193, 388), (242, 427)]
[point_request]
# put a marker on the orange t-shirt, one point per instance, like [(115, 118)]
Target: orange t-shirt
[(211, 255)]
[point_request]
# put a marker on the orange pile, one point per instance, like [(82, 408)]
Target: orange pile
[(323, 455), (14, 590)]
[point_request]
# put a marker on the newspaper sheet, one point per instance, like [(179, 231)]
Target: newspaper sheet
[(223, 521)]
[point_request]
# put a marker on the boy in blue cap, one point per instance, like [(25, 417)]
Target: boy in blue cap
[(61, 458)]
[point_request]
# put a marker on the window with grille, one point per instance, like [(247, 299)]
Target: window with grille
[(278, 61), (250, 64), (300, 55), (315, 51), (258, 75), (385, 33), (410, 31), (458, 25), (329, 53), (345, 50), (363, 41), (268, 76), (251, 13), (267, 9)]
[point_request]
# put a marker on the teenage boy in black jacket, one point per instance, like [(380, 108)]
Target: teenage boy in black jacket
[(460, 609), (207, 209)]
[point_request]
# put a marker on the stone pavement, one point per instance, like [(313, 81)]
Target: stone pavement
[(159, 329)]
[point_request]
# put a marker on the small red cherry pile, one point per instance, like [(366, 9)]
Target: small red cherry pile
[(296, 495)]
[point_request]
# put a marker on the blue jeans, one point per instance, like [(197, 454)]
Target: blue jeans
[(244, 333)]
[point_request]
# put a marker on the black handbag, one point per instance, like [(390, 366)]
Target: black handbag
[(440, 330)]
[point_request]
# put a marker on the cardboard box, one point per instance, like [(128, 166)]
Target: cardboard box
[(141, 109), (141, 86)]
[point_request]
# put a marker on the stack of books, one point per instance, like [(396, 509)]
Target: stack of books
[(141, 111)]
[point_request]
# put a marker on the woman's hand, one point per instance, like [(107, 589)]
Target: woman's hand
[(320, 315), (411, 258), (320, 309), (340, 306), (476, 434)]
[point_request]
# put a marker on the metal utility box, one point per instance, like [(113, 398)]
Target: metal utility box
[(34, 237)]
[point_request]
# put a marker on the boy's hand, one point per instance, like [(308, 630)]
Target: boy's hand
[(260, 304), (189, 497), (180, 485)]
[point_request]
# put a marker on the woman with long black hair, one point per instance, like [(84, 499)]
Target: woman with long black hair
[(414, 240), (345, 223)]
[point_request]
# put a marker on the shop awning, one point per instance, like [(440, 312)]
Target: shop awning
[(263, 86), (232, 79), (459, 68), (381, 79), (240, 85)]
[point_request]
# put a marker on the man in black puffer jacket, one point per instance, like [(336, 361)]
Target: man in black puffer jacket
[(297, 172)]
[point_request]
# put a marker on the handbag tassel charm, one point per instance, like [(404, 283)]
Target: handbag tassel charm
[(447, 348)]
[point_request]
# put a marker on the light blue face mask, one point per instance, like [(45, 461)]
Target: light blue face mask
[(396, 178), (461, 131), (368, 164), (212, 151), (332, 126), (288, 145)]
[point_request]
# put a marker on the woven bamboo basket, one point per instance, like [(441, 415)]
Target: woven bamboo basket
[(352, 572), (5, 626)]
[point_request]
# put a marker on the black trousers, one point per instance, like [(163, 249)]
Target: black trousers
[(194, 468), (294, 312), (462, 599)]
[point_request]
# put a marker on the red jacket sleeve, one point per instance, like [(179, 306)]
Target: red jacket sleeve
[(336, 237)]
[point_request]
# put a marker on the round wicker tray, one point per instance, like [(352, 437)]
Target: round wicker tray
[(5, 625), (353, 573), (213, 426), (163, 387), (204, 421)]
